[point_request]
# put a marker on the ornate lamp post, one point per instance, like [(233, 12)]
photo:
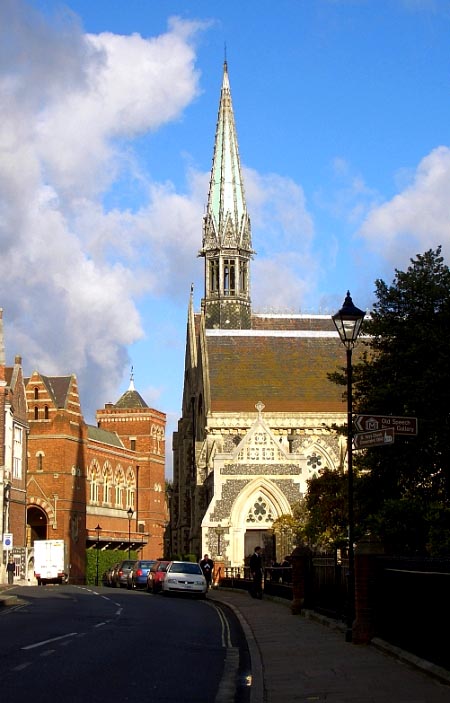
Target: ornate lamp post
[(348, 323), (130, 513), (219, 532), (98, 529)]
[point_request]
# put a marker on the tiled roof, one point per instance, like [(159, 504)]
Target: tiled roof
[(58, 388), (293, 322), (99, 435), (131, 399), (288, 373)]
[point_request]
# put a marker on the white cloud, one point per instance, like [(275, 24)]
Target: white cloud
[(69, 104), (416, 219), (283, 235)]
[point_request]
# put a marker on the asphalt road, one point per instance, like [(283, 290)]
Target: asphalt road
[(71, 644)]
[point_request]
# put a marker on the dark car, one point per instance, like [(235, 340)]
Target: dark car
[(156, 575), (120, 575), (137, 577), (108, 576)]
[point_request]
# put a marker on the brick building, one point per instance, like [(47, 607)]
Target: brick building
[(13, 458), (82, 476)]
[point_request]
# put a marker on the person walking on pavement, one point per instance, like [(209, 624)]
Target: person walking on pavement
[(256, 570), (207, 566), (10, 569)]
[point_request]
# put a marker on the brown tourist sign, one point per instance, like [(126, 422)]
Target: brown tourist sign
[(400, 425)]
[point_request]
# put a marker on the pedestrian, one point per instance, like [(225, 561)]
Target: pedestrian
[(207, 566), (256, 570), (10, 569)]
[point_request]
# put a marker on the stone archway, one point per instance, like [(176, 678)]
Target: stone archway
[(253, 513), (37, 524)]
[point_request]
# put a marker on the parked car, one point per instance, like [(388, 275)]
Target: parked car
[(156, 575), (137, 577), (184, 577), (108, 577), (120, 575)]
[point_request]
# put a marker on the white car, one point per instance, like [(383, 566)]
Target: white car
[(184, 577)]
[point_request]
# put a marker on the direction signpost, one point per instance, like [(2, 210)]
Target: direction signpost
[(400, 425), (377, 438)]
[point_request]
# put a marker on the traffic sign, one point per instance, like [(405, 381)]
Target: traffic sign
[(377, 438), (400, 425), (7, 541)]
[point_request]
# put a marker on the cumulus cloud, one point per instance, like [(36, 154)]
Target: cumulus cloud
[(69, 105), (419, 215), (74, 271), (283, 234)]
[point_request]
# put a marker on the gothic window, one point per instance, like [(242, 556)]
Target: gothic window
[(36, 393), (46, 412), (107, 483), (94, 477), (120, 485), (314, 460), (131, 488), (229, 276), (36, 413), (214, 275), (133, 445), (260, 512), (243, 276)]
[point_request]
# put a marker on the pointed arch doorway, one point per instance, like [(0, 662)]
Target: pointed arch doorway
[(37, 525), (260, 538)]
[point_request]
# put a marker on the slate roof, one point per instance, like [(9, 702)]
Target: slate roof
[(131, 399), (58, 388), (286, 370), (98, 434)]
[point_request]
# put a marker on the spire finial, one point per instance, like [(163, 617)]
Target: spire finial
[(131, 386), (225, 64)]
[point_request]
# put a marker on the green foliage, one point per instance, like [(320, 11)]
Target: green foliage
[(189, 557), (404, 490), (326, 505), (105, 560)]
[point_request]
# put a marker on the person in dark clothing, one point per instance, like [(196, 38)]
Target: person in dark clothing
[(256, 570), (207, 566), (10, 569)]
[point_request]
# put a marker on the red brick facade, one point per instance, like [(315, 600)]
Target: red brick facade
[(81, 476)]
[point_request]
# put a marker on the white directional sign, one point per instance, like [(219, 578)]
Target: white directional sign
[(400, 425), (377, 438)]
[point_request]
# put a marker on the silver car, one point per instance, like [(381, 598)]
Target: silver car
[(184, 577)]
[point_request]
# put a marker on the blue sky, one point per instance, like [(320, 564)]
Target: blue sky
[(107, 120)]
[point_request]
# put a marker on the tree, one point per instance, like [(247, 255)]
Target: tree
[(405, 371), (326, 503)]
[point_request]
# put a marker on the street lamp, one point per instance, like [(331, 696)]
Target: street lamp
[(130, 512), (98, 529), (348, 323), (219, 532)]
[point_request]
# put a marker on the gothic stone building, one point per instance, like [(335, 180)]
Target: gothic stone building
[(257, 403)]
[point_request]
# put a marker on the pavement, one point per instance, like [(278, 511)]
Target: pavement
[(301, 658), (306, 658)]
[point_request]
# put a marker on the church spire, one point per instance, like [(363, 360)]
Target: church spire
[(227, 245)]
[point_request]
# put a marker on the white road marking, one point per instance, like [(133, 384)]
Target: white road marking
[(54, 639)]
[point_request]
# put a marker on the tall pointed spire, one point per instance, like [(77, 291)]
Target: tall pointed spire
[(227, 245)]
